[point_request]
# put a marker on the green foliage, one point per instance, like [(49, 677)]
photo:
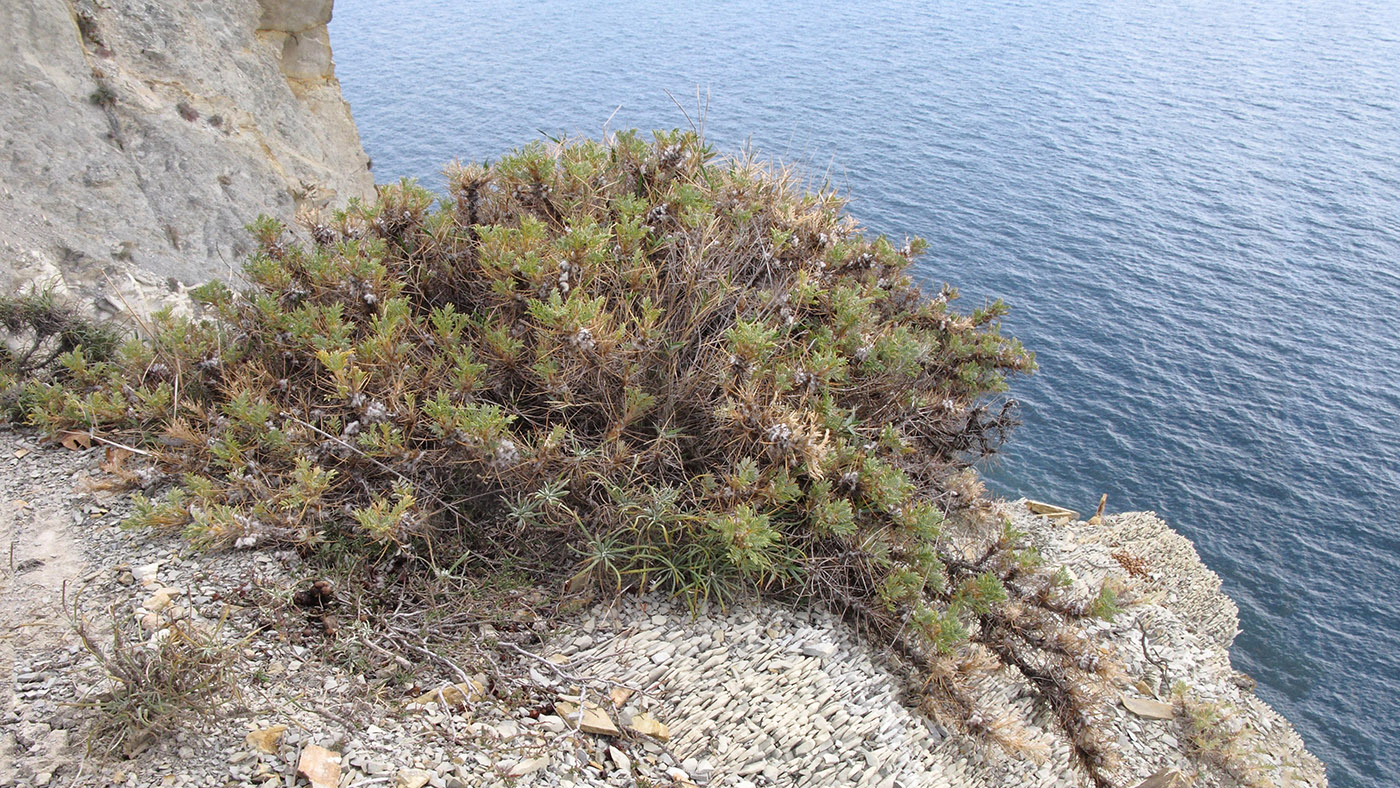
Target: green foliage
[(1105, 605), (943, 629), (749, 540), (982, 593), (833, 516), (1219, 734), (630, 363), (42, 341)]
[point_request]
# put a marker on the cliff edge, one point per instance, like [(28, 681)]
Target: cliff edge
[(756, 695), (140, 137)]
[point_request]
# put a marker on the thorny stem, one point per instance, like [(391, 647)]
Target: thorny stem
[(1165, 682), (1053, 690)]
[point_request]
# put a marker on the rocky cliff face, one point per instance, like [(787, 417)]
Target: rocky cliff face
[(140, 136)]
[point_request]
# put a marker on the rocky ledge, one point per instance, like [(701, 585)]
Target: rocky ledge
[(634, 692)]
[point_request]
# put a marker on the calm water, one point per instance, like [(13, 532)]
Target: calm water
[(1193, 207)]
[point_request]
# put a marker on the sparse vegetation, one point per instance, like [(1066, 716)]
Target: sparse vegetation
[(156, 681), (88, 27), (1217, 734), (104, 96), (627, 365)]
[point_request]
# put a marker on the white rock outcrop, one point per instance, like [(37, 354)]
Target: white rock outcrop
[(139, 137), (744, 692)]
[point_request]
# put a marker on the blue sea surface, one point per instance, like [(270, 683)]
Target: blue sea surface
[(1193, 207)]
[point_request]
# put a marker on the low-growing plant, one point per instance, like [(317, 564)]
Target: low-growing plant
[(155, 683), (37, 332), (1218, 734), (104, 95), (631, 364)]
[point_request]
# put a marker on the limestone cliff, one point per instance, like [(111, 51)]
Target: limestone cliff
[(140, 136)]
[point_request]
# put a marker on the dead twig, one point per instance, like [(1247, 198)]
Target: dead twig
[(1162, 666), (429, 653)]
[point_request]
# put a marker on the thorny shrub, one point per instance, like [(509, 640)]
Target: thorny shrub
[(630, 364)]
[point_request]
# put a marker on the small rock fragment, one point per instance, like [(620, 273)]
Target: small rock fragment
[(620, 758), (553, 723), (702, 772), (320, 766), (527, 766), (647, 725), (161, 599), (266, 739), (593, 720), (412, 778), (454, 696), (1151, 709), (1165, 778)]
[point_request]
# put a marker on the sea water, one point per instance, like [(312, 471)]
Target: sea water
[(1193, 207)]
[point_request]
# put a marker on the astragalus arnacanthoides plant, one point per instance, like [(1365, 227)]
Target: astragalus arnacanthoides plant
[(628, 364)]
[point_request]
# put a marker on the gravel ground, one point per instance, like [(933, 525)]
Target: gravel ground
[(754, 696)]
